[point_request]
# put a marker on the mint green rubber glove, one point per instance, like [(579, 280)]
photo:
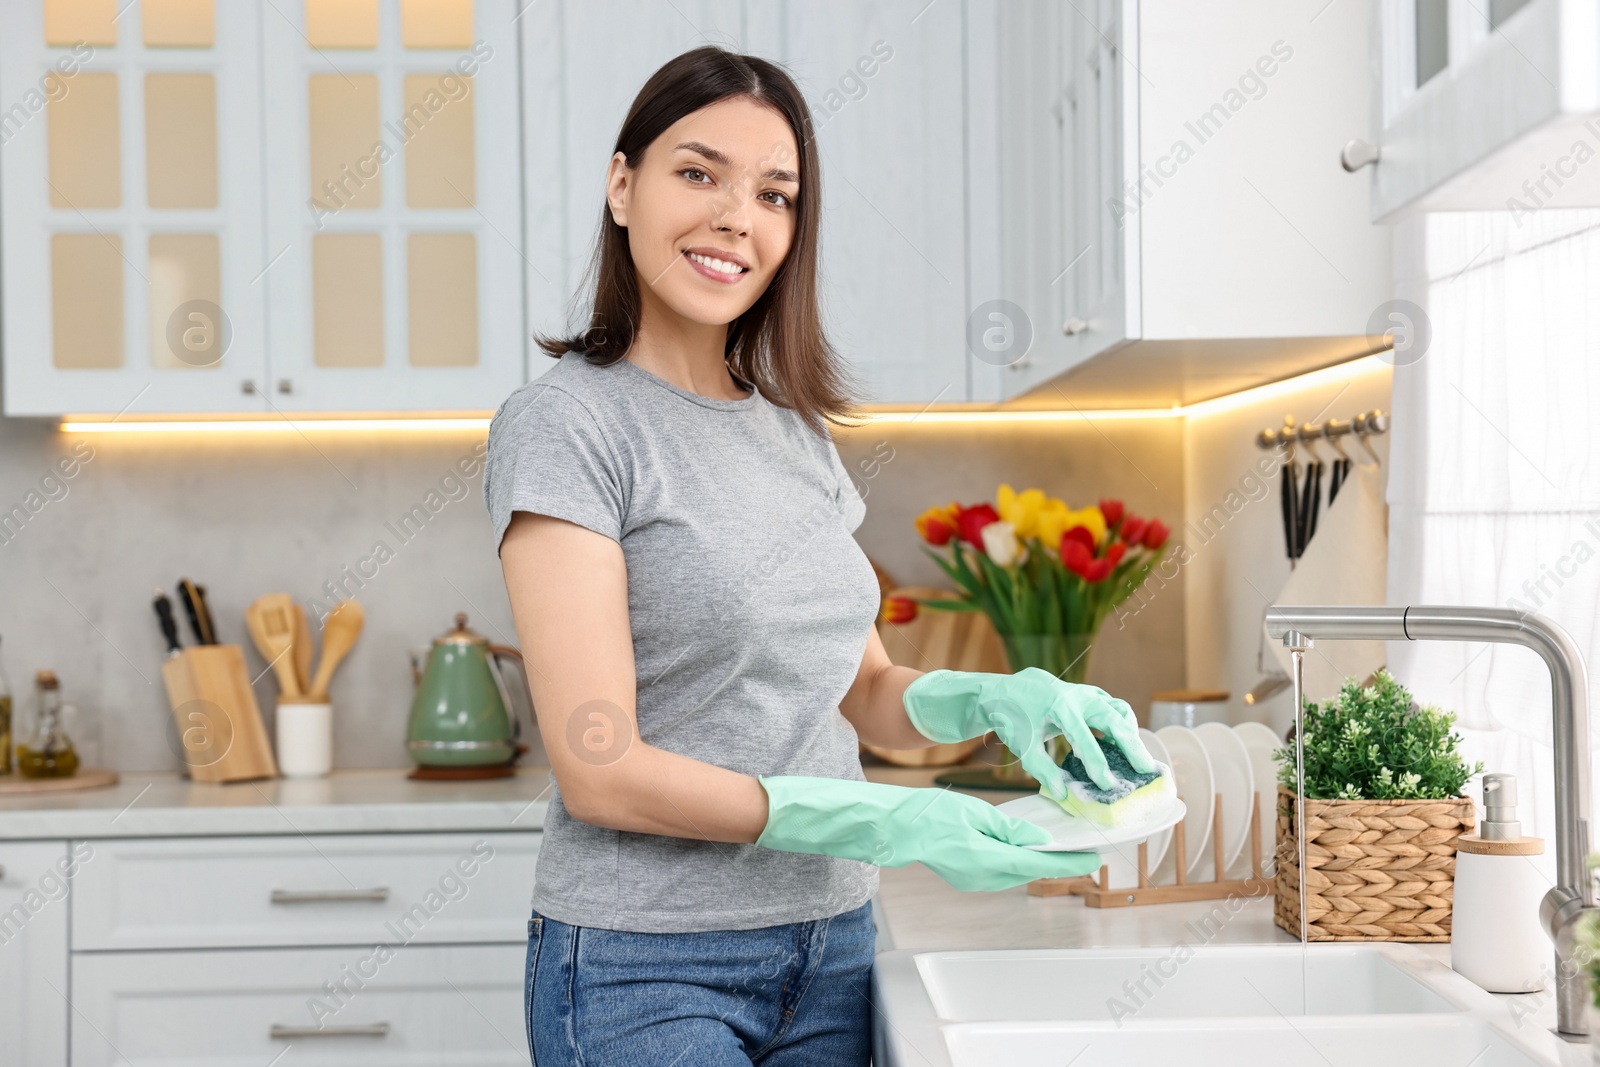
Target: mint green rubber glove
[(961, 838), (1025, 710)]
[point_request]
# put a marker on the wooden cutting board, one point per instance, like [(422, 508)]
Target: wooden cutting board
[(86, 778), (934, 640)]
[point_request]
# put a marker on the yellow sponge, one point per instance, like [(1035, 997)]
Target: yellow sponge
[(1134, 796)]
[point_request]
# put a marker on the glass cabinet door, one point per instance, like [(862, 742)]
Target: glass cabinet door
[(131, 192), (393, 205)]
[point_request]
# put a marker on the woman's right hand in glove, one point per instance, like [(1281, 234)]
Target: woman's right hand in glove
[(963, 839)]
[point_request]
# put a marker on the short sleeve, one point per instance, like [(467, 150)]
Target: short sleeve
[(846, 496), (548, 455)]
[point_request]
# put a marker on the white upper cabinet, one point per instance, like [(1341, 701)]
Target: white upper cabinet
[(286, 207), (1484, 105), (1195, 233), (130, 190), (260, 207), (393, 205), (884, 82)]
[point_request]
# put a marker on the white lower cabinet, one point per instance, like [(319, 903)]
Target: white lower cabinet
[(248, 892), (434, 1005), (35, 878), (398, 949)]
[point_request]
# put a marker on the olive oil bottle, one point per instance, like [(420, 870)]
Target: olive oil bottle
[(49, 752), (5, 723)]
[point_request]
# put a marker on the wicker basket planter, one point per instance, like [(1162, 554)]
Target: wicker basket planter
[(1377, 870)]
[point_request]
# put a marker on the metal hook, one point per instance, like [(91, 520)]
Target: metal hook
[(1331, 431), (1361, 424), (1309, 434)]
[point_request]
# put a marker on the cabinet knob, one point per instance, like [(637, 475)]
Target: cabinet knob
[(1358, 154), (1074, 326), (285, 386), (247, 387)]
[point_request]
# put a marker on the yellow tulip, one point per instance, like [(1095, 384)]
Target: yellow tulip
[(1053, 521), (1022, 510), (1089, 517)]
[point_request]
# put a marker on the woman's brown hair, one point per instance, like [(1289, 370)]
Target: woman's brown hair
[(777, 345)]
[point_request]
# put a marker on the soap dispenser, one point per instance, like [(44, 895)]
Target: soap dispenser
[(1495, 936)]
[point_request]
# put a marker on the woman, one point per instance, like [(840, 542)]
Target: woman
[(675, 531)]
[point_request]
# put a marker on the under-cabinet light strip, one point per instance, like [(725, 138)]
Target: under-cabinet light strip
[(257, 425), (1312, 379)]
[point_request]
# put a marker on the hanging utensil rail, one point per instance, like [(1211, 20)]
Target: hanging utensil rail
[(1369, 422)]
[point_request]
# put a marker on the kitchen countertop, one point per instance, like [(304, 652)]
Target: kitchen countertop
[(915, 909), (376, 801)]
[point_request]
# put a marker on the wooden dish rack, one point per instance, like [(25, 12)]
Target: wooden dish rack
[(1097, 892)]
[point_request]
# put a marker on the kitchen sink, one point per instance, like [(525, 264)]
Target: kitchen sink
[(1333, 1005)]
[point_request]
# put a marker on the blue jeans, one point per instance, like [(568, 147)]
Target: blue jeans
[(793, 995)]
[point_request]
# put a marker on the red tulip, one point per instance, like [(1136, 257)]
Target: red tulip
[(1112, 510), (1156, 534), (1079, 535), (898, 609), (1075, 556), (1098, 570), (1133, 529), (971, 521), (1115, 553)]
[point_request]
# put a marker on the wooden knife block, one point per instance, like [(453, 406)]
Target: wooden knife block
[(219, 728)]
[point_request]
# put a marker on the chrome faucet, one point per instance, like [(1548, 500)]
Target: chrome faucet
[(1573, 893)]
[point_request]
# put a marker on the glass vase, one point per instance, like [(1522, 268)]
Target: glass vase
[(1064, 655)]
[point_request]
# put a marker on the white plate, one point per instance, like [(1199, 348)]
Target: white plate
[(1234, 783), (1259, 741), (1192, 767), (1069, 833), (1160, 841)]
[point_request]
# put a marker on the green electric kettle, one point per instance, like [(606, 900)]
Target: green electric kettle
[(462, 724)]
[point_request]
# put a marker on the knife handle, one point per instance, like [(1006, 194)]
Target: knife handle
[(190, 594), (169, 625)]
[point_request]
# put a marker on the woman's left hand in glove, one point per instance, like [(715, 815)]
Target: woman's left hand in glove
[(1025, 710)]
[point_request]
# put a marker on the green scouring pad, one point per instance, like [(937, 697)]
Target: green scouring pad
[(1133, 797)]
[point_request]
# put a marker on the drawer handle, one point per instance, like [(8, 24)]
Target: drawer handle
[(294, 1033), (324, 896)]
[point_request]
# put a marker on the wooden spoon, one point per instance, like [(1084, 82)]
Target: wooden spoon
[(271, 624), (339, 633)]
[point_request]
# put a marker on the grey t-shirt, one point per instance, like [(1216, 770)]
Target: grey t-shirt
[(750, 605)]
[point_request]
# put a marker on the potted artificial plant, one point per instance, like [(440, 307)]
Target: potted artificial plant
[(1383, 810)]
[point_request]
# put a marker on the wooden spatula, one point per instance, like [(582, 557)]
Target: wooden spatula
[(339, 633), (302, 648), (270, 620)]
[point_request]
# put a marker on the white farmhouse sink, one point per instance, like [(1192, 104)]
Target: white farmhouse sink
[(1334, 1005)]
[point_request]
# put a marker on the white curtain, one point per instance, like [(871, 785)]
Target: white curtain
[(1494, 489)]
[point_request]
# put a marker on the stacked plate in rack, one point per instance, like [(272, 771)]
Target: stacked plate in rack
[(1208, 761)]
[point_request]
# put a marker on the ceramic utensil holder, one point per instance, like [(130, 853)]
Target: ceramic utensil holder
[(305, 738), (218, 729)]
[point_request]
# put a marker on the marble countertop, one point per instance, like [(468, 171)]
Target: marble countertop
[(375, 801)]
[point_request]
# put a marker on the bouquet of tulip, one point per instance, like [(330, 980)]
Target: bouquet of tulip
[(1045, 574)]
